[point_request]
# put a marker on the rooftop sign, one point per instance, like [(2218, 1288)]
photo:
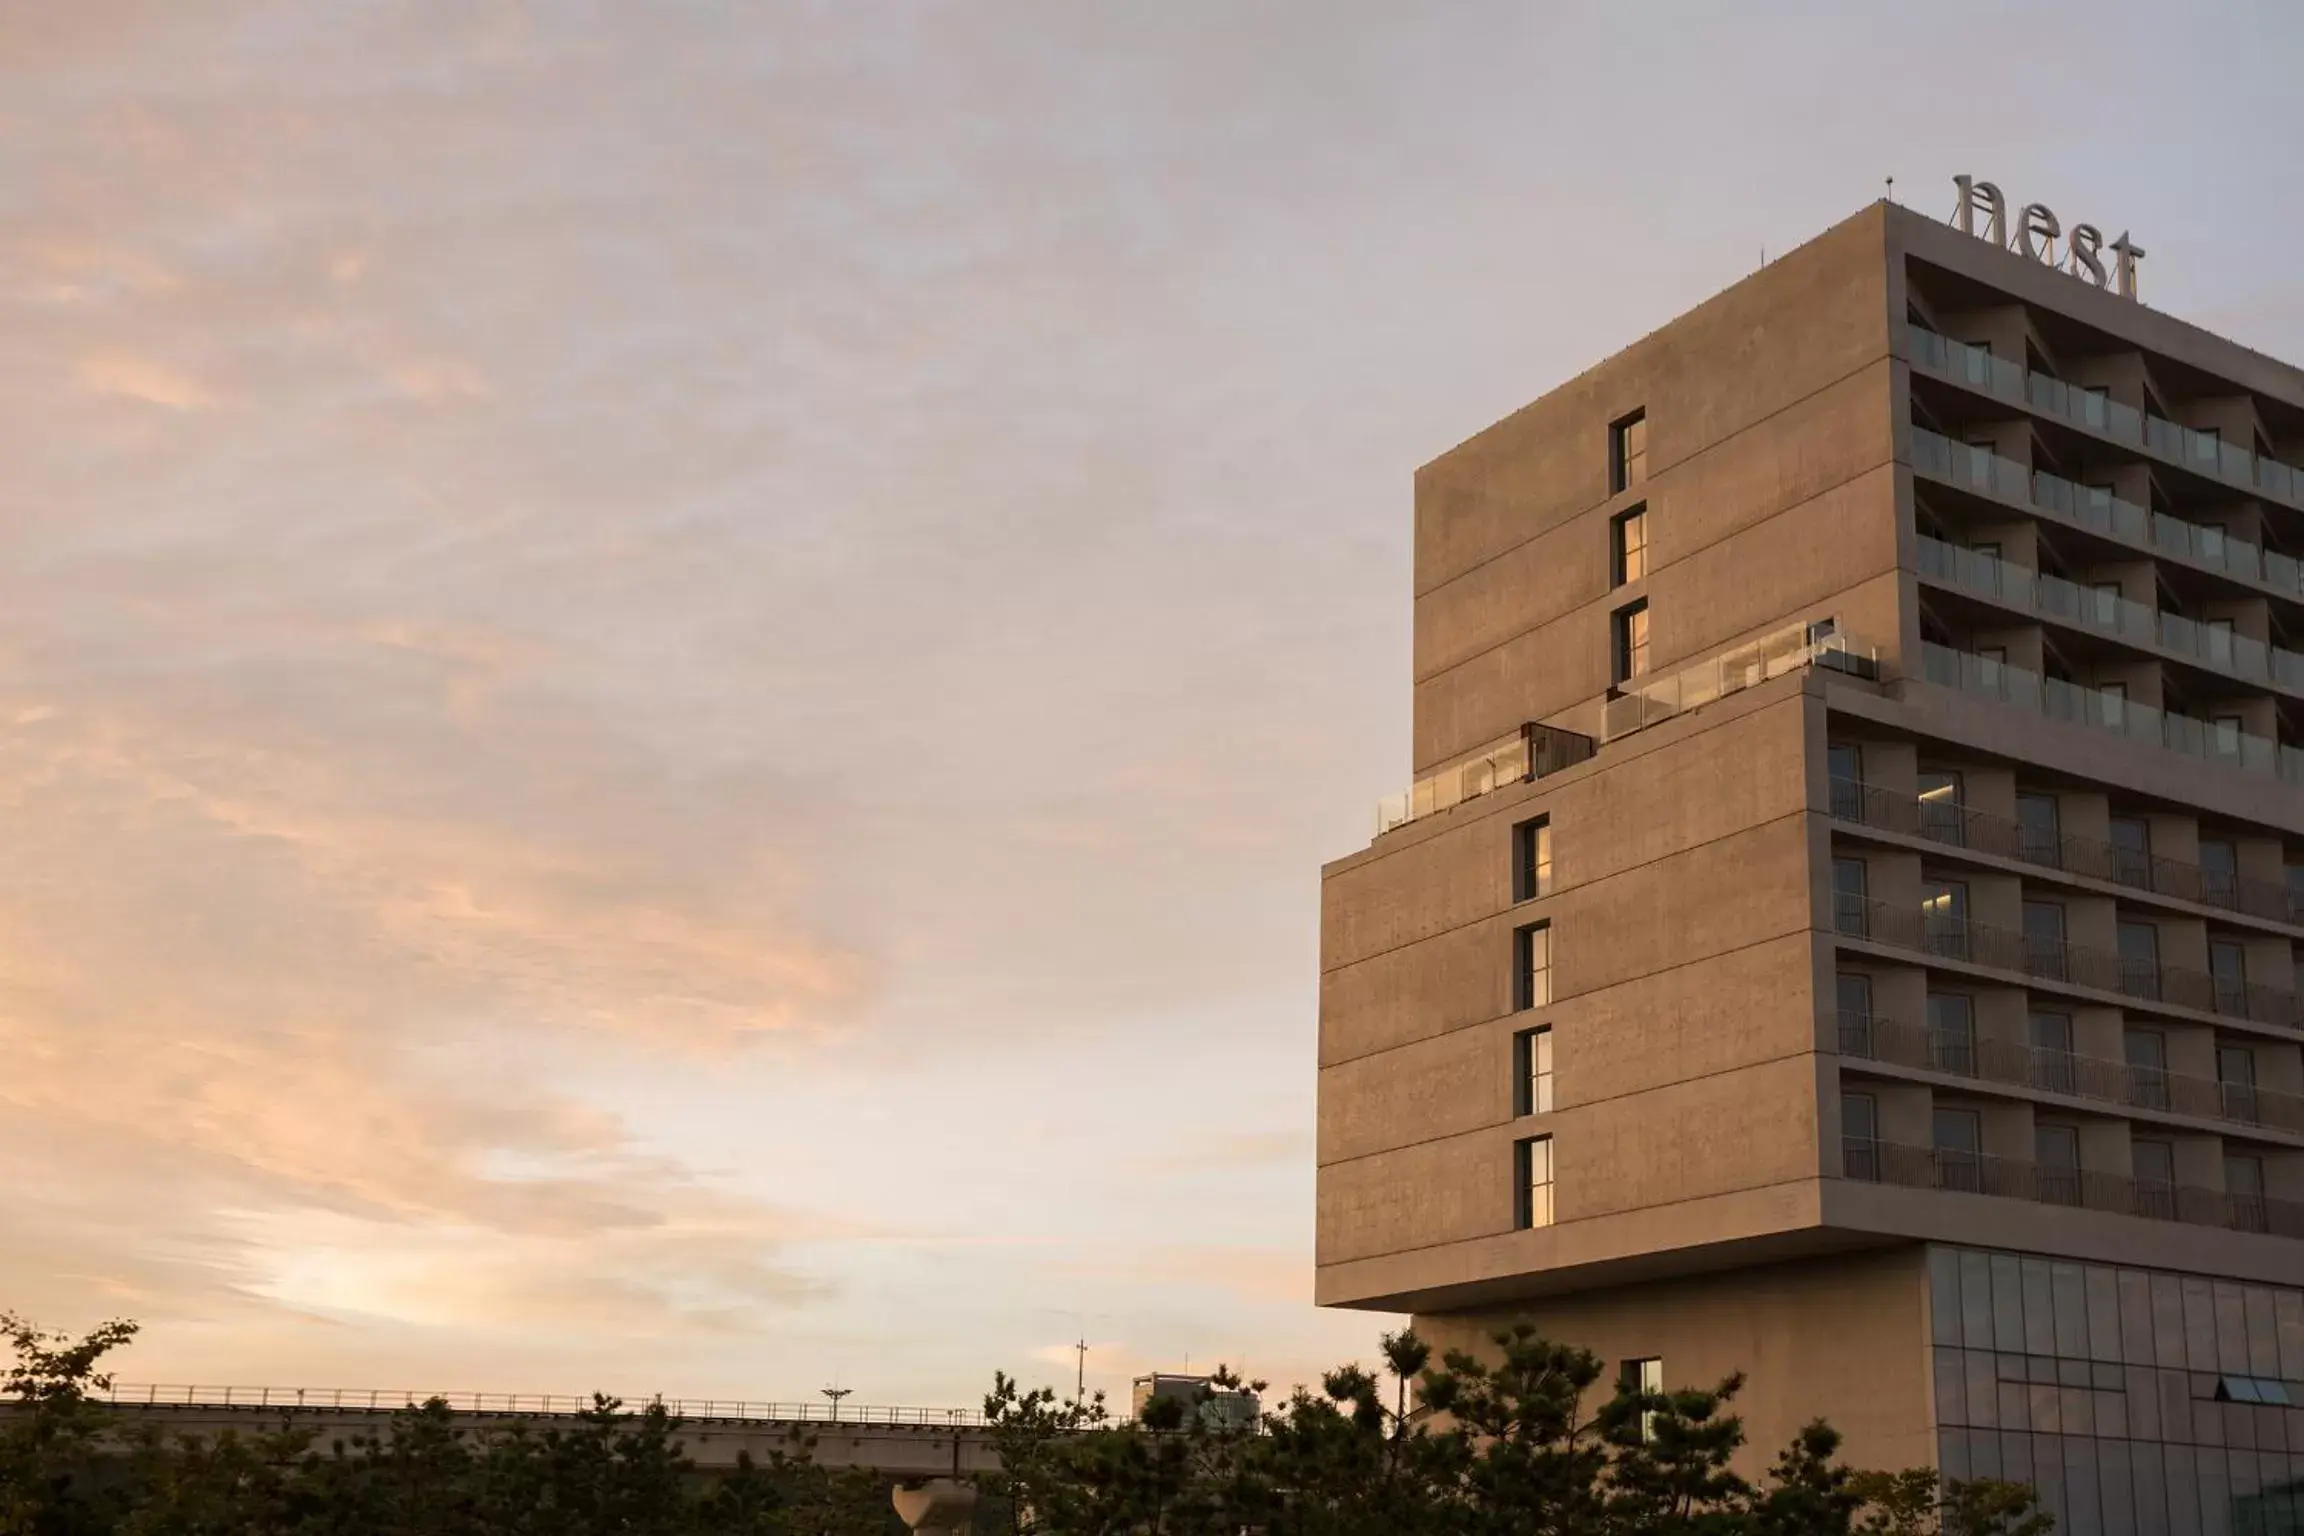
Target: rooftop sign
[(2038, 234)]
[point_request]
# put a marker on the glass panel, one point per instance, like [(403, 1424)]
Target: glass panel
[(2219, 871), (2007, 1303), (1944, 919), (2039, 839), (2044, 939), (1940, 807), (1976, 1300), (2056, 1149), (2052, 1060), (2199, 1322), (2103, 1313), (2147, 1051), (2039, 1309), (2139, 959), (1952, 1035), (1944, 1297), (2132, 851)]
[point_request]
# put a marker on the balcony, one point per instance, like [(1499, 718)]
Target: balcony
[(2105, 515), (1869, 1037), (1532, 752), (1645, 702), (1942, 937), (2077, 704), (1882, 1162), (2201, 452), (1955, 825), (2052, 597)]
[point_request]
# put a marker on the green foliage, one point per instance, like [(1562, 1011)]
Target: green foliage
[(1490, 1446), (1496, 1447)]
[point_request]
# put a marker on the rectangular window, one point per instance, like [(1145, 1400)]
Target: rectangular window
[(1854, 1002), (2154, 1165), (1959, 1141), (1952, 1033), (1533, 965), (2219, 873), (1860, 1136), (2104, 607), (2224, 736), (1940, 808), (1532, 859), (2039, 839), (1944, 918), (1630, 641), (2244, 1191), (1645, 1377), (2139, 958), (2052, 1064), (1535, 1159), (1851, 912), (1535, 1096), (1628, 546), (2236, 1078), (2228, 965), (2147, 1051), (2044, 939), (1844, 765), (2132, 851), (2056, 1151), (1628, 452)]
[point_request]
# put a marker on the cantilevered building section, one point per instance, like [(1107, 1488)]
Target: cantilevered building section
[(1843, 926)]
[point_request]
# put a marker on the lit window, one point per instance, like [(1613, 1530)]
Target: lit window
[(1628, 452), (1942, 815), (1628, 545), (1631, 642), (1534, 966), (1646, 1378), (1536, 1071), (1532, 859), (1536, 1182)]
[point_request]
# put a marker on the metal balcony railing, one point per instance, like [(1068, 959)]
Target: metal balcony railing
[(1945, 937), (1976, 1173), (509, 1404), (1956, 825), (2203, 452), (1960, 1053)]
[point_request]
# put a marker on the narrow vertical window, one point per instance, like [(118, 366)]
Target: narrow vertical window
[(2044, 939), (2228, 966), (1851, 912), (1630, 641), (1860, 1136), (1844, 765), (2244, 1191), (2132, 851), (1942, 812), (2147, 1053), (1535, 1095), (2236, 1077), (2154, 1166), (1628, 452), (1532, 859), (2052, 1064), (2056, 1155), (1535, 1159), (2039, 840), (1628, 545), (1533, 965), (2139, 958), (2219, 872), (1952, 1033), (1644, 1378), (1959, 1138)]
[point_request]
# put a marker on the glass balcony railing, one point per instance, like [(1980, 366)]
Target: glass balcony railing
[(2211, 645), (1531, 752), (2212, 741), (1644, 702), (2204, 452), (2090, 507)]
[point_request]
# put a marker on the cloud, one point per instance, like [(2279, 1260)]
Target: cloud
[(142, 379)]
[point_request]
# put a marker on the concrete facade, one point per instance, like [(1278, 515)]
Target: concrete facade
[(1926, 892)]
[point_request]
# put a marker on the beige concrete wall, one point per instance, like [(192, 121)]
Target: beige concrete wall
[(1843, 1338), (1769, 490)]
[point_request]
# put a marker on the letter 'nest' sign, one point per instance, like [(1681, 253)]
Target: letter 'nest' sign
[(2038, 235)]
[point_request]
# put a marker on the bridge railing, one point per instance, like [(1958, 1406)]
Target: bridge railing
[(386, 1399)]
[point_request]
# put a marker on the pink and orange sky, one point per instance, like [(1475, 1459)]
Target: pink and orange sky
[(672, 677)]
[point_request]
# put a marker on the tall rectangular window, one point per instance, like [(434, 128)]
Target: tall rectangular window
[(1940, 809), (2039, 840), (2044, 939), (1535, 1160), (2219, 872), (1944, 918), (2244, 1191), (1645, 1377), (2236, 1078), (1851, 912), (1628, 545), (1532, 859), (2139, 958), (2228, 966), (2153, 1163), (1535, 1050), (2132, 851), (2147, 1052), (1959, 1139), (1629, 642), (1533, 965), (2052, 1064), (1844, 765), (1628, 452), (1859, 1136), (1853, 997), (1952, 1033), (2056, 1153)]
